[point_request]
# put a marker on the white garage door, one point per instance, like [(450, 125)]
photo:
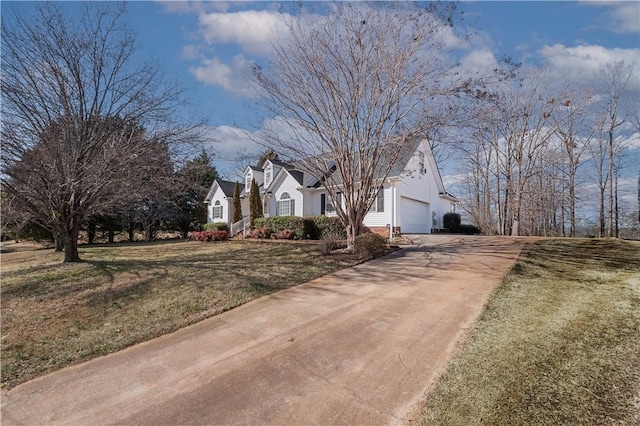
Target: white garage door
[(414, 216)]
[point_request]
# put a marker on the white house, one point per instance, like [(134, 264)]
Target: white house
[(412, 199), (220, 201)]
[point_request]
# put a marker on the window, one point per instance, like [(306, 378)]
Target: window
[(378, 204), (247, 183), (421, 167), (267, 176), (285, 207), (330, 208), (217, 210)]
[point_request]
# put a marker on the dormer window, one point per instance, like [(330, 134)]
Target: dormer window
[(247, 183), (268, 175)]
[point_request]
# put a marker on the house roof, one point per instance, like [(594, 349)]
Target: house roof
[(225, 186), (407, 150)]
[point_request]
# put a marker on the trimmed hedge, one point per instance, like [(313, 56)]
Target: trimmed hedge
[(468, 229), (370, 245), (451, 221), (216, 226), (302, 228), (329, 226)]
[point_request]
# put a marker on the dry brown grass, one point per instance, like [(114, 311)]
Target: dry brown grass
[(54, 314), (558, 343)]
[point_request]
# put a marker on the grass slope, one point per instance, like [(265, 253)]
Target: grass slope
[(558, 343), (55, 315)]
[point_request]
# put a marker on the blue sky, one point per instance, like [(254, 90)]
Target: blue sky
[(208, 46)]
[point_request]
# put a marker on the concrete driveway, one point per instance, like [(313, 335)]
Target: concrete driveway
[(359, 346)]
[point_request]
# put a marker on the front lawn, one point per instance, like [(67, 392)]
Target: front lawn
[(54, 315), (558, 343)]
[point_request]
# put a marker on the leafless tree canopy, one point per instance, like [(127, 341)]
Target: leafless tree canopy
[(536, 141), (349, 89), (78, 114)]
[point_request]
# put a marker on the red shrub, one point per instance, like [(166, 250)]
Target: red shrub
[(260, 233), (285, 234), (209, 235)]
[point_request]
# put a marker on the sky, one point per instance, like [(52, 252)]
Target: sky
[(209, 46)]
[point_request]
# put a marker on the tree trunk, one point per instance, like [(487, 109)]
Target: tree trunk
[(91, 232), (615, 209), (130, 231), (58, 241), (111, 235), (602, 225), (71, 246)]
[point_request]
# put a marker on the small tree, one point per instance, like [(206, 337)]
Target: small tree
[(237, 206), (255, 204)]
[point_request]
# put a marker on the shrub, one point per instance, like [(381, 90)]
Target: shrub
[(216, 226), (451, 221), (209, 235), (285, 234), (468, 229), (261, 233), (330, 241), (302, 228), (327, 225), (369, 245)]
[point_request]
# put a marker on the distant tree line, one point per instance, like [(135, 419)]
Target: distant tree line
[(538, 150)]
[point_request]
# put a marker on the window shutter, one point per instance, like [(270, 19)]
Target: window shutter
[(292, 207), (323, 201), (380, 200), (278, 208)]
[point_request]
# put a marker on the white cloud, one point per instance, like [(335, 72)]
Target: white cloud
[(251, 29), (627, 15), (231, 77), (587, 61), (190, 52), (622, 16), (479, 62), (233, 148)]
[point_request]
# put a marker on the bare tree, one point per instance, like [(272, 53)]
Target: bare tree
[(352, 88), (608, 146), (77, 111), (575, 131)]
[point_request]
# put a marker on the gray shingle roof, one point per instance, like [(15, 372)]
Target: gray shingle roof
[(228, 186)]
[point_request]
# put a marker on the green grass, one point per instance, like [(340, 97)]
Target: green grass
[(54, 314), (558, 343)]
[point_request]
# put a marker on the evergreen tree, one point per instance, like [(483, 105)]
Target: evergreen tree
[(237, 206), (255, 203), (192, 184)]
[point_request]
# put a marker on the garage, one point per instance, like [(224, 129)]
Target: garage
[(414, 217)]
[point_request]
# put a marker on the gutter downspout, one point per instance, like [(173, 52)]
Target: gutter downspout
[(393, 210)]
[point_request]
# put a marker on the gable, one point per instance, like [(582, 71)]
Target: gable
[(224, 186)]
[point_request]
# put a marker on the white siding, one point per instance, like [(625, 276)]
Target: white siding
[(290, 186), (224, 202), (310, 200), (383, 218), (421, 186)]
